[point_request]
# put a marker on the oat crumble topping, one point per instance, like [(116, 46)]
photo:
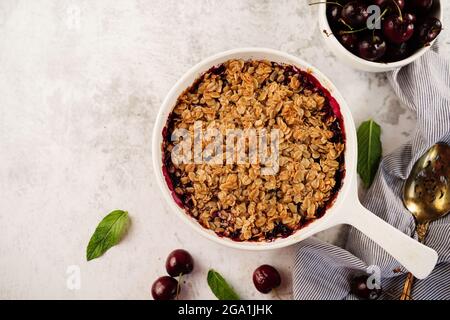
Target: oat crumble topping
[(236, 201)]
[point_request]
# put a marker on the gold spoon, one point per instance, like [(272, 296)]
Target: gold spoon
[(427, 194)]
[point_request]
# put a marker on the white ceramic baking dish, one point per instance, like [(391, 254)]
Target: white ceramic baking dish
[(346, 209)]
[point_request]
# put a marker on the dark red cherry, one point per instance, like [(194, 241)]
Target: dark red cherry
[(349, 41), (410, 17), (428, 30), (179, 262), (359, 287), (355, 13), (266, 278), (164, 288), (334, 13), (397, 52), (372, 48), (398, 29), (421, 4)]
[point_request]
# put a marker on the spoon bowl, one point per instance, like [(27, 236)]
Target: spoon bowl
[(427, 190), (427, 195)]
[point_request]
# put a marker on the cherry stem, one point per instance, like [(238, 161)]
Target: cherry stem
[(399, 11), (347, 25), (276, 293), (352, 31), (362, 29), (326, 2), (382, 15), (434, 29), (179, 285)]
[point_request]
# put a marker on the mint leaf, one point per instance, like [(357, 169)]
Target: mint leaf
[(220, 287), (369, 151), (107, 234)]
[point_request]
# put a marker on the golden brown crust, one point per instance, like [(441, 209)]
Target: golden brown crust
[(236, 200)]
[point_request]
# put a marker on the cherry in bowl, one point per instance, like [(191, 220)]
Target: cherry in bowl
[(372, 47), (396, 31), (355, 13)]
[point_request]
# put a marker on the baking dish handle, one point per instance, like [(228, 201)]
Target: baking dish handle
[(417, 258)]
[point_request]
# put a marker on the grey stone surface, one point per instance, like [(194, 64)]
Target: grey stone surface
[(80, 85)]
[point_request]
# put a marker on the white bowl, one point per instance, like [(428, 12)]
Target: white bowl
[(346, 208), (356, 62)]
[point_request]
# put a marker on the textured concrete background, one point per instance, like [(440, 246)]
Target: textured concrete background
[(80, 85)]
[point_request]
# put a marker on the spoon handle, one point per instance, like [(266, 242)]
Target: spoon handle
[(414, 256), (406, 293), (407, 287)]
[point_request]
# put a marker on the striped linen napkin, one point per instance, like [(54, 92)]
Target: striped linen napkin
[(322, 270)]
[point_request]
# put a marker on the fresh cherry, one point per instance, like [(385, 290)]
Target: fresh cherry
[(359, 287), (397, 52), (422, 4), (350, 41), (179, 262), (428, 30), (372, 48), (164, 288), (355, 13), (266, 278), (398, 29), (410, 17), (334, 13)]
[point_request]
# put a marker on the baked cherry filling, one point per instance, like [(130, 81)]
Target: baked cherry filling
[(238, 199)]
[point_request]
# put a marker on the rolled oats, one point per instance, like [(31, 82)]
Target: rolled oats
[(235, 200)]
